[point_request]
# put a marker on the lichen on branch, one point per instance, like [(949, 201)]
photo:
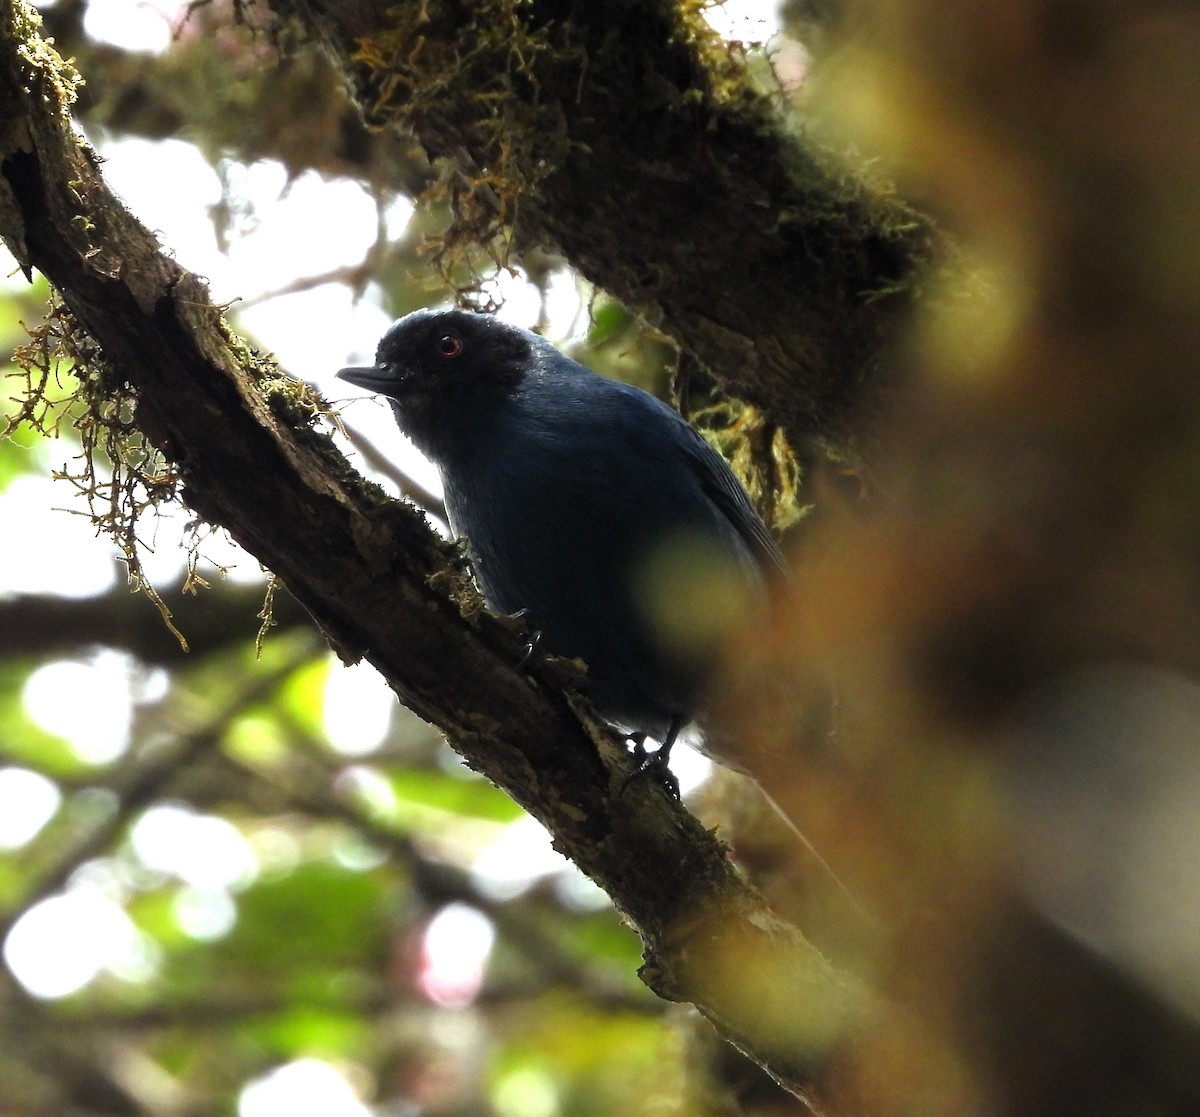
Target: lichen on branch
[(628, 139), (120, 475)]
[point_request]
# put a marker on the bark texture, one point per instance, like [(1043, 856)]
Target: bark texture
[(625, 136)]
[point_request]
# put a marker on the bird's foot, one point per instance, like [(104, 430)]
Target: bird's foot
[(654, 763), (531, 646), (533, 639)]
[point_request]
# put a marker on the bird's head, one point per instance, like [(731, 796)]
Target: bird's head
[(442, 370)]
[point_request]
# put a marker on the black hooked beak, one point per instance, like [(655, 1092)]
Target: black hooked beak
[(374, 379)]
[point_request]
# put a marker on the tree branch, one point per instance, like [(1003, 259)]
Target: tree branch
[(625, 137), (381, 584), (36, 625)]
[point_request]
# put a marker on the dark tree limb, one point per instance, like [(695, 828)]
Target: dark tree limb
[(38, 626), (384, 586), (617, 134)]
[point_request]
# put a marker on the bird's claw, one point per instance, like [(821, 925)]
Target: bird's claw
[(532, 641), (651, 763), (531, 645)]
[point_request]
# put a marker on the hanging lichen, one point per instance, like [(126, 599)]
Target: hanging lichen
[(117, 472)]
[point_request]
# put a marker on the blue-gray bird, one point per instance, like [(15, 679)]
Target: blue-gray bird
[(589, 506)]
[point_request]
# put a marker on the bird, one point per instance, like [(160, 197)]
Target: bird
[(590, 508)]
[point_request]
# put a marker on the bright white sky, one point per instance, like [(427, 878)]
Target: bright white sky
[(66, 941)]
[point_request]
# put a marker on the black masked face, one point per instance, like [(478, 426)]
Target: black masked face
[(443, 371)]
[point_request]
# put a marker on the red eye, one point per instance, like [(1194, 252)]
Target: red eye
[(449, 346)]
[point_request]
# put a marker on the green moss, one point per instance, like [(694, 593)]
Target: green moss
[(468, 71), (491, 85), (760, 455), (294, 401), (55, 77), (119, 474), (453, 582)]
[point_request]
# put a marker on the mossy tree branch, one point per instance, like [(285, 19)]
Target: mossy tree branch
[(381, 584), (622, 135)]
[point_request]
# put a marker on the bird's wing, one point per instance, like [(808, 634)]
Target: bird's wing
[(613, 402), (726, 492)]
